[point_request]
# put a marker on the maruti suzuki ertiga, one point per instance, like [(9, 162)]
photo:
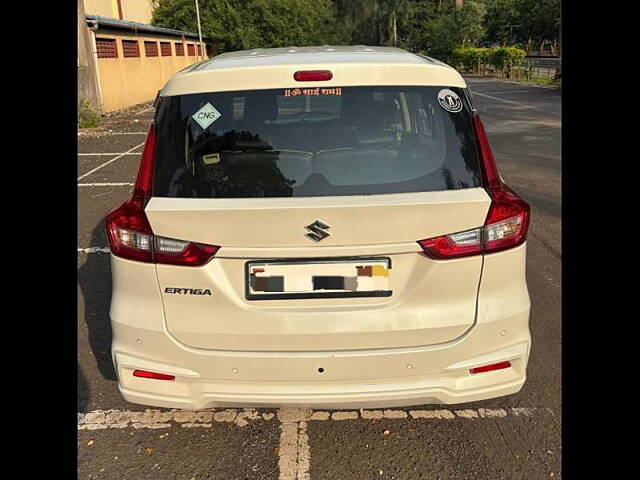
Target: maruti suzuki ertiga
[(320, 227)]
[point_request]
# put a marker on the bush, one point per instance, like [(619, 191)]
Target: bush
[(88, 115), (506, 56), (469, 58)]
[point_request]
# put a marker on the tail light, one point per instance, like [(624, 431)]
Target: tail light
[(507, 222), (129, 232)]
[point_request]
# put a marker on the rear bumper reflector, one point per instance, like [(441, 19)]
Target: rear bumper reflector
[(154, 375), (488, 368)]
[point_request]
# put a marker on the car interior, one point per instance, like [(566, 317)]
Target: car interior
[(357, 138)]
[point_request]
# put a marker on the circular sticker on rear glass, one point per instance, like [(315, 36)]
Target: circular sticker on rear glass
[(449, 100)]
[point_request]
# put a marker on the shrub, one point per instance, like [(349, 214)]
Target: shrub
[(506, 56), (88, 115), (469, 58)]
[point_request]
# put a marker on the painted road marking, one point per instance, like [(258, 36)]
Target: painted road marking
[(151, 418), (94, 250), (522, 90), (108, 162), (106, 154), (525, 105), (294, 456), (494, 80), (80, 134), (116, 184), (501, 99), (532, 85), (294, 453)]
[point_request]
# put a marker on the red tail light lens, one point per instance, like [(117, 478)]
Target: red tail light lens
[(144, 179), (462, 244), (490, 174), (181, 252), (489, 368), (129, 232), (154, 375), (312, 75), (507, 222)]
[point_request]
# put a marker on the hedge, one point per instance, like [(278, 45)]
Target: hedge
[(506, 56), (471, 57)]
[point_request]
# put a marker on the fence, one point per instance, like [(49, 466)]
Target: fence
[(531, 69)]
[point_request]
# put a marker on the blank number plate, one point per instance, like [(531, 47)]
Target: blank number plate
[(276, 279)]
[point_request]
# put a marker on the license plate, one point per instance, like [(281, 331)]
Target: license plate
[(334, 278)]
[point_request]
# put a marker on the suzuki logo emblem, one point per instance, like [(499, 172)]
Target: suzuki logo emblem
[(317, 230)]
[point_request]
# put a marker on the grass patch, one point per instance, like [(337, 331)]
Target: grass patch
[(88, 115)]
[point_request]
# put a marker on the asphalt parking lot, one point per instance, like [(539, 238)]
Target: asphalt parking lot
[(513, 437)]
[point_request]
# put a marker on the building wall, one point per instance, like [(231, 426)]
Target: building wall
[(137, 10), (132, 10), (104, 8), (87, 77), (127, 81)]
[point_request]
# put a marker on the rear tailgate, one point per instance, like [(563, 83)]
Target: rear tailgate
[(429, 301)]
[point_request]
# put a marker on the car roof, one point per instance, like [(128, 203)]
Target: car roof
[(266, 68)]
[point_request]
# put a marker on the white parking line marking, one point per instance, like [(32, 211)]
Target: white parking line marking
[(525, 105), (294, 454), (108, 162), (344, 416), (102, 419), (117, 184), (293, 451), (94, 250), (440, 414), (80, 134), (500, 99), (106, 154), (152, 418), (522, 90)]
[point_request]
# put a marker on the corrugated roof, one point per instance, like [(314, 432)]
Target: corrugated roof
[(137, 27)]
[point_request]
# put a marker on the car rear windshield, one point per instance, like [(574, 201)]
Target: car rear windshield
[(315, 142)]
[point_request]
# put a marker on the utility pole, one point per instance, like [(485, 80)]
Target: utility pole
[(394, 30), (200, 54), (511, 32)]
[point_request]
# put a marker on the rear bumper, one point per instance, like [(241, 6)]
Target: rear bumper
[(414, 394), (360, 379), (383, 377)]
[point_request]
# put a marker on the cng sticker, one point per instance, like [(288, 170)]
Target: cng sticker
[(449, 100), (206, 115)]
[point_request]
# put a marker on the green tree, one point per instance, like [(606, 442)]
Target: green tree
[(502, 21), (284, 23), (539, 19), (439, 28), (244, 24), (520, 21)]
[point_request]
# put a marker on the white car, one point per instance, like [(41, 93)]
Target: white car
[(321, 227)]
